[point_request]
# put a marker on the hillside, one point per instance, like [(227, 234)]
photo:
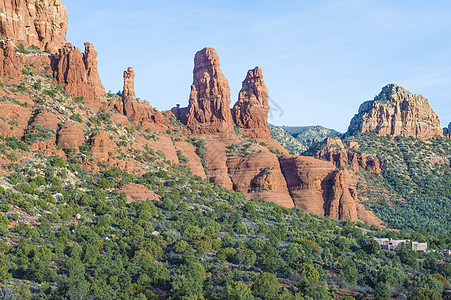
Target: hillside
[(299, 139), (103, 196)]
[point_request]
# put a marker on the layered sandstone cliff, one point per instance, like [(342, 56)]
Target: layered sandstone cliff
[(209, 102), (250, 112), (347, 156), (397, 112), (42, 23), (10, 63), (316, 187), (78, 72)]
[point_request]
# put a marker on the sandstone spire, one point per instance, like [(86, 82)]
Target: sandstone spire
[(79, 72), (10, 63), (209, 105), (251, 110), (42, 23), (92, 74), (131, 107), (397, 112)]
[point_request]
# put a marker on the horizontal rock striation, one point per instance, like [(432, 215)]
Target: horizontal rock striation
[(397, 112)]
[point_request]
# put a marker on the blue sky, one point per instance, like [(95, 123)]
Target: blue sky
[(320, 59)]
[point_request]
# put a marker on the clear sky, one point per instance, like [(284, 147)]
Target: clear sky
[(320, 59)]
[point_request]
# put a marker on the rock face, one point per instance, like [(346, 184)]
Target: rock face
[(316, 187), (341, 206), (102, 147), (137, 111), (259, 176), (42, 23), (346, 156), (71, 135), (78, 72), (10, 63), (209, 104), (251, 110), (397, 112), (131, 108)]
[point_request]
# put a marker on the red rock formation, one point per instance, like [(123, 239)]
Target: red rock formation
[(46, 119), (259, 176), (10, 63), (251, 110), (18, 115), (102, 147), (347, 156), (137, 111), (92, 74), (209, 105), (397, 112), (71, 135), (342, 206), (317, 188), (138, 192), (194, 162), (42, 23), (78, 73)]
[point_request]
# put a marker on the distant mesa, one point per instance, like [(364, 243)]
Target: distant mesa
[(42, 23), (397, 112)]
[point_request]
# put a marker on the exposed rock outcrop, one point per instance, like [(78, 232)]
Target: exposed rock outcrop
[(251, 110), (342, 206), (209, 105), (397, 112), (14, 120), (10, 63), (78, 72), (347, 156), (259, 176), (137, 111), (71, 135), (138, 192), (102, 147), (42, 23), (316, 187)]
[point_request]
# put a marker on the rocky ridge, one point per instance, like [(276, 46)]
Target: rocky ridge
[(397, 112), (246, 160)]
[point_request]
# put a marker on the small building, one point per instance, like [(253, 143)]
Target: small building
[(391, 245)]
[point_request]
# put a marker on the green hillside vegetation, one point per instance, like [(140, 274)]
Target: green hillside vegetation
[(68, 234), (413, 190)]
